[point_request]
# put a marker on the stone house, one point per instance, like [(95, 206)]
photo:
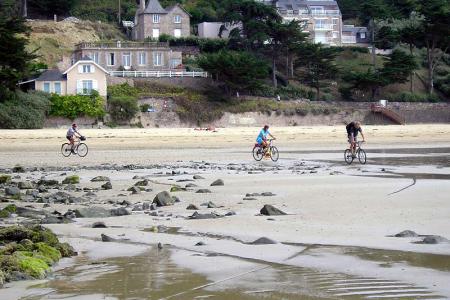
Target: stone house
[(80, 79), (152, 20), (123, 55)]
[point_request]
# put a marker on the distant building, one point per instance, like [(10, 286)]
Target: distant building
[(323, 18), (152, 20), (215, 30), (352, 35), (137, 56), (80, 79)]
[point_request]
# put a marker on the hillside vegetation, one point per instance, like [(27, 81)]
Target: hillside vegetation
[(54, 40)]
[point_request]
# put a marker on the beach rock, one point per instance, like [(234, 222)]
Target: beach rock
[(252, 195), (190, 185), (5, 179), (142, 183), (106, 238), (197, 177), (92, 212), (99, 225), (48, 182), (218, 182), (12, 191), (197, 216), (100, 178), (230, 213), (125, 203), (406, 233), (160, 246), (203, 191), (269, 210), (211, 204), (55, 219), (107, 186), (163, 199), (268, 194), (74, 179), (153, 206), (200, 244), (138, 207), (177, 189), (435, 239), (18, 169), (25, 185), (263, 241), (249, 199), (192, 207), (134, 190), (121, 211)]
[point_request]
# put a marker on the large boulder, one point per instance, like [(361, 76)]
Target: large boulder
[(435, 239), (269, 210), (107, 185), (25, 185), (121, 211), (406, 233), (263, 241), (100, 178), (12, 191), (74, 179), (163, 199), (218, 182), (192, 207)]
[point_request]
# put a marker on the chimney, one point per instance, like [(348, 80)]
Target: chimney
[(142, 5)]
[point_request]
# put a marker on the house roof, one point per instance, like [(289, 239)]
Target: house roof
[(51, 75), (298, 4), (85, 60), (154, 7), (178, 5)]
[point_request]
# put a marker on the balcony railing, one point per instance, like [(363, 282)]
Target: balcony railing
[(326, 13), (120, 44), (322, 26), (157, 74), (307, 13), (349, 39)]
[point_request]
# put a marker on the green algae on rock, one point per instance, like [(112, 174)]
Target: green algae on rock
[(74, 179), (5, 179), (28, 252), (7, 211)]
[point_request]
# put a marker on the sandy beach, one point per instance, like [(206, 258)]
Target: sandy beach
[(336, 240)]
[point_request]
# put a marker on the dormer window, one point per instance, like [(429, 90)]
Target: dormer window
[(156, 18), (86, 68), (177, 19)]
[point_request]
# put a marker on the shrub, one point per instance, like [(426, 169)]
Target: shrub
[(122, 108), (74, 106), (24, 110), (413, 97), (123, 89), (145, 107)]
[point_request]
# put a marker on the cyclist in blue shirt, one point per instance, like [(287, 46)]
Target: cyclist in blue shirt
[(262, 137)]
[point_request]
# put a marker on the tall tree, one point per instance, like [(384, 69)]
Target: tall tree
[(14, 58), (436, 26), (316, 64)]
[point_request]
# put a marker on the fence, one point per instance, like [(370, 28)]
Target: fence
[(158, 74)]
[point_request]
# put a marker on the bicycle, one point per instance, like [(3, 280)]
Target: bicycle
[(78, 148), (360, 153), (272, 152)]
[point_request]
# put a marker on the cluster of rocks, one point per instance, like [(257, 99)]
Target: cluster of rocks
[(425, 239)]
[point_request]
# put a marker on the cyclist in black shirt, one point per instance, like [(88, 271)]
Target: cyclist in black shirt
[(353, 129)]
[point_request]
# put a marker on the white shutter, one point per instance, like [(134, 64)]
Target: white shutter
[(95, 85), (79, 87), (80, 68), (92, 69)]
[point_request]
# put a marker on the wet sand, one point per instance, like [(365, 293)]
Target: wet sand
[(338, 231)]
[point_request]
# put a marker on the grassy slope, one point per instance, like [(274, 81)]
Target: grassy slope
[(55, 40)]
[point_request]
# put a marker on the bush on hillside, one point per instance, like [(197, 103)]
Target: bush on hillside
[(413, 97), (123, 89), (123, 108), (24, 110), (74, 106)]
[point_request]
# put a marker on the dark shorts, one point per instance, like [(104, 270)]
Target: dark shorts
[(69, 137)]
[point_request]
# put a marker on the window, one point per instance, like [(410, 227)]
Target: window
[(87, 87), (177, 33), (47, 87), (95, 57), (111, 59), (126, 59), (156, 19), (317, 10), (175, 62), (177, 19), (142, 58), (155, 33), (335, 35), (157, 59), (57, 87), (362, 35), (86, 68)]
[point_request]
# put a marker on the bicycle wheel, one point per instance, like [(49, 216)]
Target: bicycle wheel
[(348, 156), (257, 153), (362, 156), (275, 154), (82, 150), (66, 149)]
